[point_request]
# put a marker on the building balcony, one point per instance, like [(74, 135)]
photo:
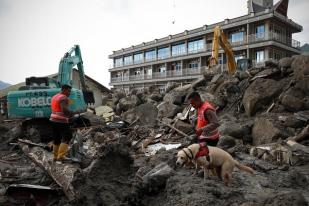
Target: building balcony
[(160, 75), (270, 36)]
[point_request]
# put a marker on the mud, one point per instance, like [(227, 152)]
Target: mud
[(108, 179)]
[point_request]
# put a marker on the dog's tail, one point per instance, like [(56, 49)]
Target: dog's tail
[(244, 168)]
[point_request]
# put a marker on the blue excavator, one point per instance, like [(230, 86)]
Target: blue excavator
[(32, 101)]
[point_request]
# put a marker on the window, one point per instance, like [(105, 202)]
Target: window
[(195, 46), (162, 69), (259, 55), (138, 58), (150, 55), (178, 67), (137, 72), (178, 49), (260, 31), (118, 62), (193, 64), (128, 60), (163, 53), (237, 37)]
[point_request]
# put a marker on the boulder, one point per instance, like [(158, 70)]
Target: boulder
[(156, 97), (199, 83), (128, 102), (266, 130), (260, 93), (300, 66), (175, 97), (226, 142), (285, 62), (234, 129), (182, 126), (153, 88), (118, 94), (295, 98), (170, 86), (166, 109), (156, 179), (145, 114), (271, 63)]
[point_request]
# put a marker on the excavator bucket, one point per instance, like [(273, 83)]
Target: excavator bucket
[(88, 97)]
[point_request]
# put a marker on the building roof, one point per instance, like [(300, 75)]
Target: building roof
[(282, 7), (4, 92)]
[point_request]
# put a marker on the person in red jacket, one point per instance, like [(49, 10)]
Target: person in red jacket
[(207, 121), (60, 122)]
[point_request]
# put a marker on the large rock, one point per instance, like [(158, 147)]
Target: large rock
[(260, 93), (182, 126), (156, 179), (300, 66), (267, 129), (128, 103), (144, 114), (199, 83), (156, 97), (166, 109), (292, 102), (234, 129), (170, 86), (178, 95), (118, 94), (285, 62), (226, 142)]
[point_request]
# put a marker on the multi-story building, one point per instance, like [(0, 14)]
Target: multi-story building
[(264, 33)]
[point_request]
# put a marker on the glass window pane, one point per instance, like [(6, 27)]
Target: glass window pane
[(118, 62), (138, 58), (195, 46), (178, 49), (128, 60), (237, 37), (150, 55), (163, 53)]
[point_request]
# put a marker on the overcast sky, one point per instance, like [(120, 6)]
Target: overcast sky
[(34, 34)]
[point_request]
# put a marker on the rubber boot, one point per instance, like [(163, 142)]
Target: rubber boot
[(55, 152), (63, 149)]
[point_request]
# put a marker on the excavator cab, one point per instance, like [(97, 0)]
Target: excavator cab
[(244, 64)]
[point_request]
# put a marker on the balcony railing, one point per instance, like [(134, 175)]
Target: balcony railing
[(260, 37), (250, 39), (160, 75)]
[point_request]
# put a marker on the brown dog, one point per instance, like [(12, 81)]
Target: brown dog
[(218, 158)]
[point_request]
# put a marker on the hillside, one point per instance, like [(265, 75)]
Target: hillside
[(3, 84)]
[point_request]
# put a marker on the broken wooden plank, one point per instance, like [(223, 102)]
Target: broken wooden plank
[(62, 174), (304, 134), (173, 128)]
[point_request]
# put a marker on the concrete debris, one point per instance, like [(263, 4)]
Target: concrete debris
[(106, 112), (126, 153)]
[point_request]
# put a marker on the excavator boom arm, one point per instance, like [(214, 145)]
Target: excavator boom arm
[(220, 39)]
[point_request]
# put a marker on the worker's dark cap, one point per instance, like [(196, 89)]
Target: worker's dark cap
[(66, 86)]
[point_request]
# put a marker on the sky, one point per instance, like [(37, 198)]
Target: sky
[(35, 34)]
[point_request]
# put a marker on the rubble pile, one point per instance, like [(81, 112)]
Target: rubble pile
[(128, 157)]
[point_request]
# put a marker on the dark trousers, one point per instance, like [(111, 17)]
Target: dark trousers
[(61, 132)]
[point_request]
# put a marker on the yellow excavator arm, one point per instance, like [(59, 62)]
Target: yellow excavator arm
[(220, 39)]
